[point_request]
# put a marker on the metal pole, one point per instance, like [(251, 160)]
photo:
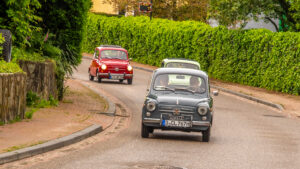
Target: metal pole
[(151, 9)]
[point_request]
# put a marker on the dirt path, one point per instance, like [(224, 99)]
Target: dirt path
[(77, 111)]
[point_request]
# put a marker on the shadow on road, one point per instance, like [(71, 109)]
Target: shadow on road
[(179, 136)]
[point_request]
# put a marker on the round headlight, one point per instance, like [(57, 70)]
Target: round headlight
[(202, 110), (129, 68), (151, 106), (103, 67)]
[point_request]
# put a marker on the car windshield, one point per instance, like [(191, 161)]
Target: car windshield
[(113, 54), (182, 65), (180, 82)]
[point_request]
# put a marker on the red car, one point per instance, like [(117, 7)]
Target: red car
[(111, 62)]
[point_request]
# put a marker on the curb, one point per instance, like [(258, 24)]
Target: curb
[(267, 103), (59, 142), (50, 145), (277, 106)]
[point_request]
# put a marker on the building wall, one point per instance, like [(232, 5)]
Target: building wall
[(101, 6)]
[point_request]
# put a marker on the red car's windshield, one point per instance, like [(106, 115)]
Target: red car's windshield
[(113, 54)]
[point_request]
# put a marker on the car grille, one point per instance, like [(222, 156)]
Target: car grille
[(116, 68), (171, 108)]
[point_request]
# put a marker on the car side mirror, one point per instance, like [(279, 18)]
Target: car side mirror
[(215, 93)]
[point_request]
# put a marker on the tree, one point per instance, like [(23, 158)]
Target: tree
[(169, 9), (20, 18), (230, 12)]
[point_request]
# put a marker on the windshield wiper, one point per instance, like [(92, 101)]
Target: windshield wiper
[(165, 88)]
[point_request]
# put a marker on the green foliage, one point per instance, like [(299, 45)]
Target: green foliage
[(257, 57), (20, 18), (66, 19), (9, 67), (32, 98), (34, 103), (1, 42), (29, 114), (229, 13)]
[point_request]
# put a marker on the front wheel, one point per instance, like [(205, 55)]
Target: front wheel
[(91, 77), (206, 135), (98, 78), (129, 81), (145, 131)]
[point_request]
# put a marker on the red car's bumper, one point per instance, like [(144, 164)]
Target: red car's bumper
[(115, 76)]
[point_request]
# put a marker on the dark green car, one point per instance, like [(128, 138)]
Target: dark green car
[(178, 105)]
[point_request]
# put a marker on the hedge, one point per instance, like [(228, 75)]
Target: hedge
[(256, 57)]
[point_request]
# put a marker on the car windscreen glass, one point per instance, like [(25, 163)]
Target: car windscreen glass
[(113, 54), (182, 82), (182, 65)]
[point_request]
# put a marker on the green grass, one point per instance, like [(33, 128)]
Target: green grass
[(13, 148)]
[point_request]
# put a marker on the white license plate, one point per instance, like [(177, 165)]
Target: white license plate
[(117, 77), (174, 123)]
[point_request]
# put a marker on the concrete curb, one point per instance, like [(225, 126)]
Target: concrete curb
[(50, 145), (59, 142), (267, 103)]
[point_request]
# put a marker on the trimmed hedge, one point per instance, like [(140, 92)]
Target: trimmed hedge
[(256, 57)]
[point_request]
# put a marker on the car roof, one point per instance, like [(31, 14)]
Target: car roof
[(181, 70), (111, 47), (182, 60)]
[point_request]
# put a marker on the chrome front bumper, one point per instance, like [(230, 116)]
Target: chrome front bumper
[(115, 74), (194, 123)]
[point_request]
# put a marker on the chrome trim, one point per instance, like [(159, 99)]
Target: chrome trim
[(118, 74), (201, 123), (151, 120)]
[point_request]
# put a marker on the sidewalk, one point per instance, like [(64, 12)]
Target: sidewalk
[(77, 111), (290, 103)]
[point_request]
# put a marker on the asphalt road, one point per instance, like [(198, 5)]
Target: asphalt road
[(244, 135)]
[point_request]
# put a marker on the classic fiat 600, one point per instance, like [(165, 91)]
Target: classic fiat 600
[(178, 99), (111, 62)]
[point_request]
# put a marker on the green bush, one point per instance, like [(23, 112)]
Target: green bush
[(255, 57), (66, 19), (9, 67)]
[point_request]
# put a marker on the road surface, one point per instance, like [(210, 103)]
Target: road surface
[(244, 135)]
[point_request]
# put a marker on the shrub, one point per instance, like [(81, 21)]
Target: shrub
[(9, 67), (255, 57)]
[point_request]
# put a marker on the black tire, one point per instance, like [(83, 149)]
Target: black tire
[(121, 80), (91, 77), (145, 131), (98, 77), (7, 45), (206, 135), (151, 130), (129, 81)]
